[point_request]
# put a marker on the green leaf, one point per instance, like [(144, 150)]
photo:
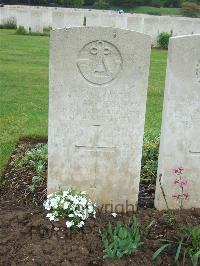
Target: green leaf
[(31, 188), (122, 233), (178, 250), (150, 224), (157, 253), (195, 258), (35, 179)]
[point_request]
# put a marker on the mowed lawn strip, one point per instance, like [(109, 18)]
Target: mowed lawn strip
[(24, 90)]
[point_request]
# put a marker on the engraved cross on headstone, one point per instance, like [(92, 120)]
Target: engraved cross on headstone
[(96, 149), (196, 153)]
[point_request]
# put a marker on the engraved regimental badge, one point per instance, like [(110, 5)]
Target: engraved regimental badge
[(99, 62)]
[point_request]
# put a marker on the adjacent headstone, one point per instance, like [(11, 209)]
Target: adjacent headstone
[(121, 21), (183, 26), (4, 16), (166, 24), (24, 18), (98, 88), (135, 23), (151, 27), (36, 20), (73, 19), (108, 20), (58, 20), (196, 26), (180, 134), (92, 19), (100, 19), (47, 17)]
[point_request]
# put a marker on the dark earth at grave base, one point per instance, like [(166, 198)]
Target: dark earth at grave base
[(28, 238)]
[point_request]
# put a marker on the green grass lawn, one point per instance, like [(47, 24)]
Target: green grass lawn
[(171, 11), (156, 10), (24, 90)]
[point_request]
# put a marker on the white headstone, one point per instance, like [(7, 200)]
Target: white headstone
[(196, 26), (47, 17), (100, 19), (36, 20), (135, 23), (166, 24), (73, 19), (121, 21), (183, 26), (3, 15), (180, 134), (93, 19), (24, 18), (98, 87), (151, 27), (58, 19)]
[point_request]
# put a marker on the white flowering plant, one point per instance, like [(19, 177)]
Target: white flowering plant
[(71, 205)]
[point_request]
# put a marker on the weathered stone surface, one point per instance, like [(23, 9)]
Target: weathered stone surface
[(182, 27), (135, 23), (121, 21), (151, 27), (98, 19), (73, 19), (58, 21), (24, 19), (98, 87), (180, 135), (36, 21)]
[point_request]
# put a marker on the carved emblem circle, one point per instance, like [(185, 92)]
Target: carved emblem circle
[(99, 62)]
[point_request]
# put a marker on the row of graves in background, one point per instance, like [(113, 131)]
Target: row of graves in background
[(98, 92), (38, 18)]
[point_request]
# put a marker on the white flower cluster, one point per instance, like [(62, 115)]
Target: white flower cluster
[(71, 205)]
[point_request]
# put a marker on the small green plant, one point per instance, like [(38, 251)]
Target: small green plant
[(35, 33), (8, 24), (122, 240), (71, 205), (35, 180), (21, 30), (36, 158), (187, 245), (169, 216), (163, 39), (47, 29), (150, 159)]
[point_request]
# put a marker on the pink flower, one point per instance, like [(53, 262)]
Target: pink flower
[(186, 195), (178, 170), (183, 182)]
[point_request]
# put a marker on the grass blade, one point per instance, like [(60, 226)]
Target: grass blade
[(157, 253), (178, 250), (195, 258)]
